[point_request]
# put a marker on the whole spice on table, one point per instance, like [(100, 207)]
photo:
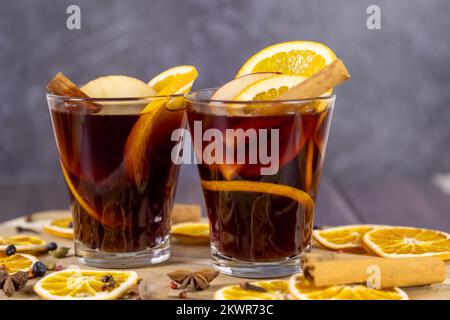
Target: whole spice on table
[(50, 266), (10, 250), (58, 267), (38, 269), (109, 282), (12, 283), (60, 252), (245, 285), (52, 246), (193, 280), (20, 229)]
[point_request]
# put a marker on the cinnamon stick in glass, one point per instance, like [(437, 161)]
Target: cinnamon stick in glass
[(326, 79), (326, 269), (63, 86)]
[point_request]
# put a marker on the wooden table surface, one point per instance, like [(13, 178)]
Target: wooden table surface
[(190, 257)]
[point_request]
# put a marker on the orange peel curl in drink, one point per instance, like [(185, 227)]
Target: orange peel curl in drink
[(300, 196)]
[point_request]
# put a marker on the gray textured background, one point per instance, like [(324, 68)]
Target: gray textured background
[(392, 119)]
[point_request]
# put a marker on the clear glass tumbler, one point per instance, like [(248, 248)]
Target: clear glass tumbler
[(260, 163), (116, 161)]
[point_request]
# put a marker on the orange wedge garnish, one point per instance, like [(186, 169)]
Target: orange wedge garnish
[(136, 164)]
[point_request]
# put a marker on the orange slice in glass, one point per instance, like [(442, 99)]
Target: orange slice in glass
[(300, 196), (136, 164)]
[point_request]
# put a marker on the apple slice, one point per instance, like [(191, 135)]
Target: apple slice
[(230, 90), (117, 86)]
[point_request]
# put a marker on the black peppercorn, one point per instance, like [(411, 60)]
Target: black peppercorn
[(52, 246), (10, 250), (38, 269)]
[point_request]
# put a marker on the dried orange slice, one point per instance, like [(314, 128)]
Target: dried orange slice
[(303, 58), (60, 228), (190, 232), (169, 76), (342, 238), (302, 289), (17, 262), (22, 243), (74, 284), (275, 290), (397, 242)]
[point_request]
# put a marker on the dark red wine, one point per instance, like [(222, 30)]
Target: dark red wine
[(263, 226), (110, 211)]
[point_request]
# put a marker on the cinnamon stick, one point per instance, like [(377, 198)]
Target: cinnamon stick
[(63, 86), (329, 77), (339, 269), (326, 79)]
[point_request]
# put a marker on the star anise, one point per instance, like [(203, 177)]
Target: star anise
[(193, 280), (12, 283)]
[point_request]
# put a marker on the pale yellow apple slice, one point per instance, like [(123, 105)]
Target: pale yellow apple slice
[(228, 92), (117, 86), (231, 89)]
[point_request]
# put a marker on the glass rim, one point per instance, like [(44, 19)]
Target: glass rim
[(190, 97), (123, 99)]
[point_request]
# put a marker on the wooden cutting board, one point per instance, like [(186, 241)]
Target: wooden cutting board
[(183, 256)]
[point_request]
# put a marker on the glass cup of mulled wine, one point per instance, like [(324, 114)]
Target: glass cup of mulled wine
[(116, 161), (260, 174)]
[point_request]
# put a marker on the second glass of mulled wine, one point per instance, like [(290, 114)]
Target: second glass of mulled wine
[(260, 173)]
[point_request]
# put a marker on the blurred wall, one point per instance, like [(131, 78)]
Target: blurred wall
[(392, 119)]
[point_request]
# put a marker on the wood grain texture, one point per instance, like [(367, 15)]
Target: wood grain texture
[(187, 257)]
